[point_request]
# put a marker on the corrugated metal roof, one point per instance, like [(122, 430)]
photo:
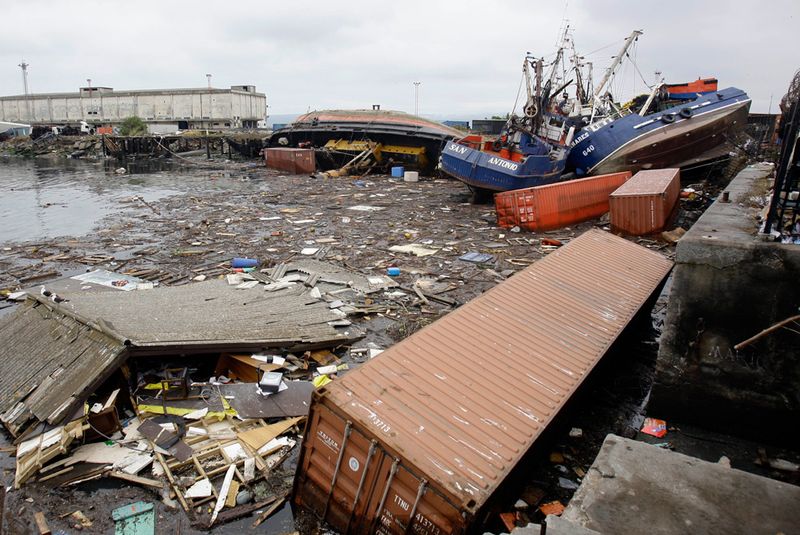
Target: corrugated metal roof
[(647, 182), (213, 313), (464, 398), (50, 362)]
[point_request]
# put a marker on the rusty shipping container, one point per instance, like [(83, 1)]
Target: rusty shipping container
[(418, 439), (645, 203), (294, 161), (557, 205)]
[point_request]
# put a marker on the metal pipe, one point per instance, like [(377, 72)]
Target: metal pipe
[(372, 447), (347, 429)]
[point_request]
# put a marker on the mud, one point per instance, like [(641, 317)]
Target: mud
[(178, 223)]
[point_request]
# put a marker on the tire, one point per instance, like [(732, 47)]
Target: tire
[(668, 118), (686, 113)]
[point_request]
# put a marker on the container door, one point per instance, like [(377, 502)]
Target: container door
[(402, 503), (339, 469)]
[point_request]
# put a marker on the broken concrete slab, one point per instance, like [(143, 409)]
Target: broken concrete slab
[(634, 488)]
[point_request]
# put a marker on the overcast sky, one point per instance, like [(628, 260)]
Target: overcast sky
[(352, 54)]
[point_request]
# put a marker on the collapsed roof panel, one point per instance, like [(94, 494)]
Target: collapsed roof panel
[(49, 363), (212, 314)]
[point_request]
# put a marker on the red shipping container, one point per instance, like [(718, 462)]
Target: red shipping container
[(294, 161), (645, 203), (557, 205)]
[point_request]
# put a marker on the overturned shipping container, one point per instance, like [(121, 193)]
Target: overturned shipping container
[(420, 438), (645, 203), (294, 161), (557, 205)]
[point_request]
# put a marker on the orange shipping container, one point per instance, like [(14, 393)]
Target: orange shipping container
[(557, 205), (294, 161), (419, 439), (645, 203)]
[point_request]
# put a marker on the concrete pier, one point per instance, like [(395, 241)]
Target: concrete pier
[(728, 285), (634, 488)]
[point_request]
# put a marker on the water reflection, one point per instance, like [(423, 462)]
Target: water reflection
[(54, 198)]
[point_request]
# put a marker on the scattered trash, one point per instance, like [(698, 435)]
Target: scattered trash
[(476, 258), (244, 262), (567, 484), (672, 236), (416, 250), (654, 427), (393, 271), (135, 519), (110, 279), (576, 432), (552, 508)]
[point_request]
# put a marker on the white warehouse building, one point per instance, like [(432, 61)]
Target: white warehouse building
[(164, 110)]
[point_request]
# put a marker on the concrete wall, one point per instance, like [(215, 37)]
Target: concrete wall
[(214, 108), (728, 285)]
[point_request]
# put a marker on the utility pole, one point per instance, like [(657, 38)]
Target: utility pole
[(24, 66), (416, 97)]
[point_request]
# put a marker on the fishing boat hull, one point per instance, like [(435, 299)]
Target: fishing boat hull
[(489, 171), (662, 139)]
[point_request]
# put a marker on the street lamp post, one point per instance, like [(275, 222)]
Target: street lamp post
[(24, 66), (416, 97)]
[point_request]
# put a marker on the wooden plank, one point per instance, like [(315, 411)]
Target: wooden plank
[(139, 480), (41, 524), (269, 512)]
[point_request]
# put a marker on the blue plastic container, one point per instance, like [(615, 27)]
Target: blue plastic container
[(398, 172), (393, 271), (244, 262)]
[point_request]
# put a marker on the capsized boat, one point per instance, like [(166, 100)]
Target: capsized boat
[(659, 139), (407, 138), (661, 132), (531, 151)]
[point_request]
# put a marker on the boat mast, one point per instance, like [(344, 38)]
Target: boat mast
[(580, 92), (617, 60), (653, 93)]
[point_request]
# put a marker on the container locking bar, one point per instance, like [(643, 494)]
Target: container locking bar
[(423, 484), (372, 447), (379, 512), (347, 429)]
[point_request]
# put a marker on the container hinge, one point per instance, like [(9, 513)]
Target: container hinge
[(347, 429)]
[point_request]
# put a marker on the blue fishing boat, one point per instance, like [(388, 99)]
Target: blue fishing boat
[(531, 151), (664, 138), (538, 163)]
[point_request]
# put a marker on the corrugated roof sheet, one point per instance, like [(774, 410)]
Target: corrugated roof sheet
[(464, 398), (49, 362), (213, 313)]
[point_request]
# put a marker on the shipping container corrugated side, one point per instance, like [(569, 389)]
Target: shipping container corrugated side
[(295, 161), (418, 439), (557, 205), (645, 203)]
